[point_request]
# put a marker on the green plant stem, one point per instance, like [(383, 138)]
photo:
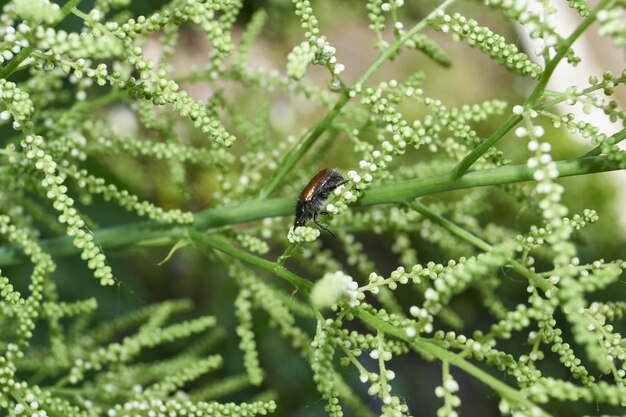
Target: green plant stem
[(296, 154), (560, 53), (287, 254), (25, 52), (293, 156), (80, 14), (613, 140), (449, 226), (151, 233), (17, 60), (458, 231), (411, 189), (419, 344), (393, 48), (466, 163), (20, 400), (561, 97), (303, 285), (430, 348)]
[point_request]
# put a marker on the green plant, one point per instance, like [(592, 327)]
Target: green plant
[(63, 163)]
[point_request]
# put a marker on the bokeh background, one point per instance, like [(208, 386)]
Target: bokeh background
[(201, 276)]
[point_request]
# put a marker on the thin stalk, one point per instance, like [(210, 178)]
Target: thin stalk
[(561, 97), (465, 164), (287, 254), (430, 348), (25, 52), (152, 233), (393, 48), (80, 14), (411, 189), (296, 154), (419, 344), (458, 231), (449, 226), (303, 285), (560, 53), (613, 140)]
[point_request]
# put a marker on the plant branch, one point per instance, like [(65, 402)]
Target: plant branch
[(613, 140), (561, 97), (458, 231), (411, 189), (432, 349), (294, 155), (292, 158), (560, 53), (151, 233), (303, 285), (25, 52), (393, 48), (419, 344), (467, 162)]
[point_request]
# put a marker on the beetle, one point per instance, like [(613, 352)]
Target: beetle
[(314, 194)]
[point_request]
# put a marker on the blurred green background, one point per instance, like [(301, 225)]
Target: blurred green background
[(200, 275)]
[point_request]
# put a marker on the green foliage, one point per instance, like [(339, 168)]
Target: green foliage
[(91, 113)]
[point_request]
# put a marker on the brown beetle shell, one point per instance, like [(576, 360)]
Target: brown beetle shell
[(314, 194)]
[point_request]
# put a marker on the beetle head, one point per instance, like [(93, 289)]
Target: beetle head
[(302, 214)]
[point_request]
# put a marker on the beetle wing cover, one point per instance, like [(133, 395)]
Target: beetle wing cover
[(309, 190)]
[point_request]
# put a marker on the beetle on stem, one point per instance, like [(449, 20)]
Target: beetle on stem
[(314, 195)]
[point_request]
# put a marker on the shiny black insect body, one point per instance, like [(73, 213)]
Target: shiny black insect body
[(314, 194)]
